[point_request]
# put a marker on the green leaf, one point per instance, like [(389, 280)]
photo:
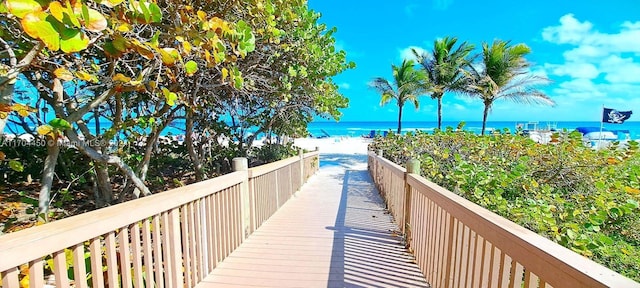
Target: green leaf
[(40, 26), (145, 11), (60, 124), (191, 67), (605, 240), (156, 12), (571, 234), (73, 40), (85, 12), (16, 166), (170, 96), (292, 72)]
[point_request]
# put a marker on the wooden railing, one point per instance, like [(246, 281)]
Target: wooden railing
[(170, 239), (460, 244)]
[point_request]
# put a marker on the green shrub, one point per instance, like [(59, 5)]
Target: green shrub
[(272, 152), (583, 199)]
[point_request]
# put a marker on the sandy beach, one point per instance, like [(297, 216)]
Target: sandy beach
[(335, 145)]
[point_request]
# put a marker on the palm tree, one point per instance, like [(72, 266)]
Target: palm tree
[(445, 68), (408, 83), (504, 74)]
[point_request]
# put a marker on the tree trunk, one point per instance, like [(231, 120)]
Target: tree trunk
[(399, 119), (440, 112), (484, 118), (103, 183), (47, 178), (109, 159), (195, 157)]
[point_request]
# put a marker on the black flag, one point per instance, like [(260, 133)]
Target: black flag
[(614, 116)]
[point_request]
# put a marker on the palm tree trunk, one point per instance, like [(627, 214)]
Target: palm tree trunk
[(399, 119), (440, 112), (484, 118)]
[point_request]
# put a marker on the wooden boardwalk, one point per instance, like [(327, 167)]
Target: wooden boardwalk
[(333, 233)]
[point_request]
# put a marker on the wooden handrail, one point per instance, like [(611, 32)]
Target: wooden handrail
[(447, 230), (172, 239), (26, 245), (266, 168)]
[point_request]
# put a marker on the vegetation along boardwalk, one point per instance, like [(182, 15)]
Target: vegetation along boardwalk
[(333, 233)]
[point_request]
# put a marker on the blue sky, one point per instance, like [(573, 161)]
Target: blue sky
[(590, 49)]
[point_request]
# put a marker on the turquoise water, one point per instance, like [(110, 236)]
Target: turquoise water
[(360, 128), (363, 128)]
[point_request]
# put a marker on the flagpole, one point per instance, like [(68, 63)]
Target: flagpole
[(601, 125)]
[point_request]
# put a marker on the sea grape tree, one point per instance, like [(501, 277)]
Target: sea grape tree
[(125, 69)]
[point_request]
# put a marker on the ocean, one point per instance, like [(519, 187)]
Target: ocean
[(362, 128), (353, 129)]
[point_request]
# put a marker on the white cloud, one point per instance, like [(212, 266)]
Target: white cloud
[(466, 99), (570, 31), (574, 70), (621, 70), (407, 53), (584, 52), (597, 64)]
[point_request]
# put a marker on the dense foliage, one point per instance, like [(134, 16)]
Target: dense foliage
[(583, 199), (111, 76)]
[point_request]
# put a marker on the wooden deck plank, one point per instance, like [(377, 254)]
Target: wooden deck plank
[(333, 233)]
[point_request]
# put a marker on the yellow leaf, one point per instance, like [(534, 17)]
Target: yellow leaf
[(56, 10), (120, 77), (632, 191), (202, 15), (85, 76), (24, 283), (225, 73), (207, 56), (534, 183), (143, 50), (63, 74), (180, 38), (96, 21), (3, 115), (31, 30), (45, 130), (23, 110), (169, 56), (187, 47), (111, 3), (20, 8), (36, 25), (123, 27)]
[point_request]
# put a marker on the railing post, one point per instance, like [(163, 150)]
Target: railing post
[(301, 153), (413, 167), (377, 169), (242, 164)]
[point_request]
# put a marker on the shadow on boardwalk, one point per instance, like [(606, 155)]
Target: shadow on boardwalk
[(333, 233), (367, 248)]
